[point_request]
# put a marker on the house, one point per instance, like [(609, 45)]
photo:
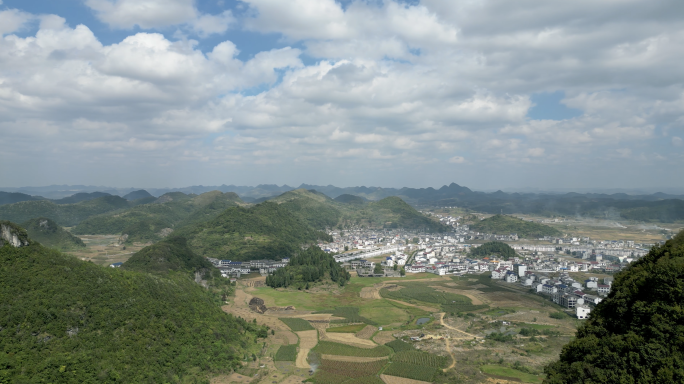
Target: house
[(591, 284), (582, 311), (566, 300), (603, 289), (549, 289), (511, 277), (414, 268), (498, 274), (116, 265)]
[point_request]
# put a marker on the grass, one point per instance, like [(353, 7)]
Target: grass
[(535, 326), (296, 325), (286, 353), (410, 371), (346, 329), (400, 346), (352, 369), (332, 348), (422, 293), (510, 372)]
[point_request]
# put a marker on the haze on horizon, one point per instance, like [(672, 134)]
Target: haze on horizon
[(489, 94)]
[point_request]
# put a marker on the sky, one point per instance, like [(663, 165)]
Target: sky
[(490, 94)]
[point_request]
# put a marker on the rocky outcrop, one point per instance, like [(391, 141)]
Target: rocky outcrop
[(257, 305), (13, 234)]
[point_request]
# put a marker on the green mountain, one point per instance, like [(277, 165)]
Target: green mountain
[(78, 197), (392, 212), (315, 208), (505, 225), (351, 199), (309, 267), (63, 320), (15, 197), (136, 195), (50, 234), (66, 215), (264, 231), (156, 220), (168, 255), (321, 212), (635, 335)]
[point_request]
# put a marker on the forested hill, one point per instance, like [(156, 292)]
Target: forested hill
[(393, 212), (494, 248), (505, 225), (308, 268), (172, 254), (66, 215), (635, 334), (155, 220), (63, 320), (50, 234), (264, 231)]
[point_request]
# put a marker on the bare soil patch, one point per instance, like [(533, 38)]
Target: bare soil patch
[(370, 293), (383, 337), (347, 338), (367, 332), (307, 340), (400, 380), (229, 379)]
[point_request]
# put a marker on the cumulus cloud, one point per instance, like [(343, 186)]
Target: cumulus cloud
[(149, 14), (392, 86)]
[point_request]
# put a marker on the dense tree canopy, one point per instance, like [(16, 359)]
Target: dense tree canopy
[(505, 225), (497, 248), (636, 335), (309, 266)]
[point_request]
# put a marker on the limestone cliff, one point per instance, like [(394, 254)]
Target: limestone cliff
[(13, 234)]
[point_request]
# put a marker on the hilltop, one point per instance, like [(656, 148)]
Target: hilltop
[(15, 197), (635, 334), (264, 231), (168, 255), (505, 225), (391, 212), (136, 195), (51, 234), (315, 208), (66, 320), (66, 215), (351, 199), (82, 196), (156, 220)]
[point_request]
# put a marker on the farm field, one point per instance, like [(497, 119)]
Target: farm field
[(335, 328)]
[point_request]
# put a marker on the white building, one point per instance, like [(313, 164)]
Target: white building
[(582, 311)]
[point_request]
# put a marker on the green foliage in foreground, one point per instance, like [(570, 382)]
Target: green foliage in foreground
[(498, 248), (63, 320), (411, 371), (505, 225), (297, 324), (264, 231), (51, 234), (66, 215), (332, 348), (636, 334), (309, 266), (286, 353)]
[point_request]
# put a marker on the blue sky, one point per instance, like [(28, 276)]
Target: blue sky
[(490, 94)]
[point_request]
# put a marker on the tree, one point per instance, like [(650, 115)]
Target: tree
[(635, 334), (346, 248), (402, 272), (378, 269), (395, 267)]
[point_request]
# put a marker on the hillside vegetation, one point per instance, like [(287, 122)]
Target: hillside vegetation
[(392, 212), (50, 234), (66, 215), (15, 197), (314, 208), (634, 335), (63, 320), (152, 222), (307, 268), (168, 255), (264, 231), (497, 248), (505, 225)]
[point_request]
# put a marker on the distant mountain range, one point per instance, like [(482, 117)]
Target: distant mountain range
[(644, 207)]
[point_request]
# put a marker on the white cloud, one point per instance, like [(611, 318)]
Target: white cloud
[(677, 141), (12, 20), (151, 14)]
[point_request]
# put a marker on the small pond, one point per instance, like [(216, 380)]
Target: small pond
[(422, 320)]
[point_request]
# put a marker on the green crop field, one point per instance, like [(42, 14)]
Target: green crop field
[(286, 353), (347, 328), (400, 346), (331, 348), (450, 302), (410, 371), (512, 373), (296, 325), (352, 369), (350, 314), (419, 358)]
